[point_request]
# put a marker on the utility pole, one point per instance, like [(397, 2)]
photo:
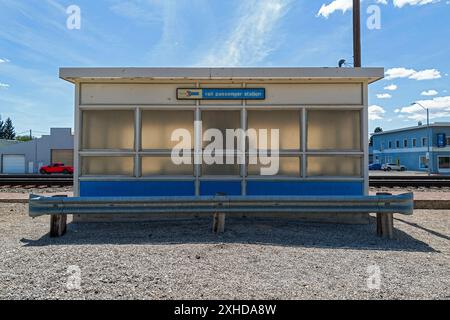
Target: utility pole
[(356, 33), (31, 135), (429, 137)]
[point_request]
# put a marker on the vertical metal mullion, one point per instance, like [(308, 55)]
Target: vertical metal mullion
[(244, 125), (197, 138), (77, 141), (137, 142), (304, 141), (364, 119)]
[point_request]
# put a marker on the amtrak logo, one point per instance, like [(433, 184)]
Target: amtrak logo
[(190, 93)]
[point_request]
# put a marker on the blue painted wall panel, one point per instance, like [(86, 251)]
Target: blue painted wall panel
[(187, 188), (307, 188), (211, 188), (136, 188)]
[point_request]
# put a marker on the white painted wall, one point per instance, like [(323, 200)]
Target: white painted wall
[(276, 93)]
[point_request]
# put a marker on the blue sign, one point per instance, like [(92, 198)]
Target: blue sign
[(441, 141), (221, 94)]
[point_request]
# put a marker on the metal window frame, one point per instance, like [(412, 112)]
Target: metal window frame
[(438, 167), (420, 162)]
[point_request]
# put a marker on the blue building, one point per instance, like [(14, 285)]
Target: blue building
[(409, 147)]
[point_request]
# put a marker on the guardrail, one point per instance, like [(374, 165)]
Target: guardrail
[(384, 205)]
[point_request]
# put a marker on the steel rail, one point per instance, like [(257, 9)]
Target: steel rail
[(36, 180), (375, 181)]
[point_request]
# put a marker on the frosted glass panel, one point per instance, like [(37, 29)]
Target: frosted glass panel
[(107, 166), (288, 166), (334, 166), (62, 155), (221, 120), (222, 169), (157, 127), (334, 130), (108, 129), (287, 121), (154, 166)]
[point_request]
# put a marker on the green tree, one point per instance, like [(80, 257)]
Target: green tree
[(2, 134), (377, 130), (8, 130), (23, 138)]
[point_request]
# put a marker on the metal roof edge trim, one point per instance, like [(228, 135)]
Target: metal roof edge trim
[(310, 73)]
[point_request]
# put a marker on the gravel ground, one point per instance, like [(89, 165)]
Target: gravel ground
[(36, 190), (253, 259), (409, 189)]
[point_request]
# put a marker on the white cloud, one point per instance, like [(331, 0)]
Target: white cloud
[(391, 87), (439, 107), (4, 60), (4, 85), (429, 93), (401, 3), (397, 110), (343, 5), (384, 96), (395, 73), (376, 112), (427, 74), (337, 5), (250, 41)]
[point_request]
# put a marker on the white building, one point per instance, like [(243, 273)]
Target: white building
[(28, 157)]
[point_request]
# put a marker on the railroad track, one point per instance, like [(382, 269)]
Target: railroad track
[(26, 180), (375, 181), (410, 181)]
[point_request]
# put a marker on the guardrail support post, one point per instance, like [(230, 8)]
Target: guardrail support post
[(58, 222), (219, 222), (385, 221), (389, 217), (58, 225), (385, 225), (379, 226)]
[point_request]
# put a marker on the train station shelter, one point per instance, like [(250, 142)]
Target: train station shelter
[(125, 119)]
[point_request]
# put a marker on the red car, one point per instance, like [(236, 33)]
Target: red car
[(56, 167)]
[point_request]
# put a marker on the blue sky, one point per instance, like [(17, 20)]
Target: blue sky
[(412, 44)]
